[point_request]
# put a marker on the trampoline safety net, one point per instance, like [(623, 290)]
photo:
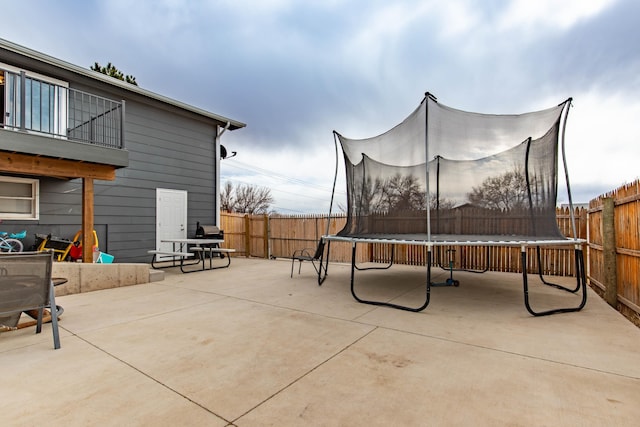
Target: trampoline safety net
[(444, 172)]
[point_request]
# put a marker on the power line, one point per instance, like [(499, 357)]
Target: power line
[(281, 200), (268, 173), (277, 190)]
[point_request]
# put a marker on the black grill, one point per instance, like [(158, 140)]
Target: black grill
[(208, 232)]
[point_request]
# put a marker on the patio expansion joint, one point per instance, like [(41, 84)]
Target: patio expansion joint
[(315, 368), (149, 316), (512, 353), (153, 379), (202, 291)]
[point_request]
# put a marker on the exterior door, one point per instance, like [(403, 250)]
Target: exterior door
[(171, 217)]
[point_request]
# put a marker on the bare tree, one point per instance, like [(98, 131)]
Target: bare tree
[(227, 200), (400, 192), (245, 198), (504, 192)]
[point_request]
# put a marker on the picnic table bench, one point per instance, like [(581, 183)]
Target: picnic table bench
[(201, 248), (212, 251)]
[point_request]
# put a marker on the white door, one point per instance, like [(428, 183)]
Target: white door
[(171, 217)]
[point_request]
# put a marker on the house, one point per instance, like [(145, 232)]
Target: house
[(82, 151)]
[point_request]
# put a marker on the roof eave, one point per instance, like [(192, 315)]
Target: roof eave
[(95, 75)]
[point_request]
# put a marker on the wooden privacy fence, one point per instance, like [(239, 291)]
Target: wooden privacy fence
[(614, 247), (559, 261), (466, 219), (247, 234), (278, 236)]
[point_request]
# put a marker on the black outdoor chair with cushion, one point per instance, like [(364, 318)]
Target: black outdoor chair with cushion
[(25, 284), (305, 255)]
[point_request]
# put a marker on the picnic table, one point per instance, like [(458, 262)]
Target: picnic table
[(190, 252)]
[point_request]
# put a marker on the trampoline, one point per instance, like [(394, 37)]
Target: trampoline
[(444, 178)]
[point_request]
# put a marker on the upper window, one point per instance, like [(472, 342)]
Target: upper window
[(19, 198)]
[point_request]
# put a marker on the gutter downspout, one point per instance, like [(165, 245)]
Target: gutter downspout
[(216, 178)]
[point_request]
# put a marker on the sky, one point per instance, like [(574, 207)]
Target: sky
[(295, 70)]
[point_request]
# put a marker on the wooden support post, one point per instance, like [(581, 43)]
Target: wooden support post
[(87, 219), (266, 236), (247, 235), (610, 279)]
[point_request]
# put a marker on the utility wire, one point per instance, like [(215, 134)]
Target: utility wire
[(275, 190), (271, 174), (268, 173)]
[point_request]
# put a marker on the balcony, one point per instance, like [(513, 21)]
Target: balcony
[(84, 126)]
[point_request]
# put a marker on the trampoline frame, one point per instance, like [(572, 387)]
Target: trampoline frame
[(578, 245)]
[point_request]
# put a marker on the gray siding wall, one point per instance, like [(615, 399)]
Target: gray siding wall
[(167, 149)]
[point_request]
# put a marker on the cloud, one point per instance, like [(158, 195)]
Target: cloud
[(294, 71), (548, 15), (602, 133)]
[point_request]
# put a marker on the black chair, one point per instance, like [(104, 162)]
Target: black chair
[(25, 285), (305, 255)]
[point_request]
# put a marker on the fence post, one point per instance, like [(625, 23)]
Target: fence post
[(267, 255), (247, 235), (610, 278)]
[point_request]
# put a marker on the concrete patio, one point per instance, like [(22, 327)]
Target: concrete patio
[(249, 346)]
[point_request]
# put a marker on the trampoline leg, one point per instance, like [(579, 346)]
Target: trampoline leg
[(581, 279), (555, 285), (322, 278), (386, 267), (388, 304)]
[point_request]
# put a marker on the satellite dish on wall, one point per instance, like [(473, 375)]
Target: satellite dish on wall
[(223, 153)]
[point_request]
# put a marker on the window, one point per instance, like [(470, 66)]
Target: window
[(19, 198), (33, 102)]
